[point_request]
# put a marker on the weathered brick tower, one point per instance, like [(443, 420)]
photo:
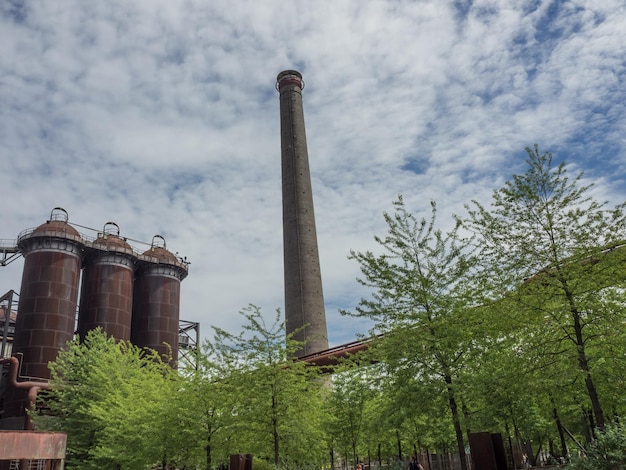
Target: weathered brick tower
[(304, 298)]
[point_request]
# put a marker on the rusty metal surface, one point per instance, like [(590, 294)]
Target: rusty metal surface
[(106, 298), (47, 306), (334, 355), (17, 445), (156, 303), (241, 462)]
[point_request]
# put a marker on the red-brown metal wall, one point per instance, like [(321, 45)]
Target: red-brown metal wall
[(130, 296), (48, 296), (48, 299), (106, 298), (156, 303)]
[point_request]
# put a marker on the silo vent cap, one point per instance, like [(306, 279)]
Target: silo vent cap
[(59, 214), (111, 228), (158, 242)]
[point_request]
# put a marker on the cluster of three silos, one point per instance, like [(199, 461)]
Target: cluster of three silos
[(130, 296)]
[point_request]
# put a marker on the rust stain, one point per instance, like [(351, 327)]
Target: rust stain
[(17, 445)]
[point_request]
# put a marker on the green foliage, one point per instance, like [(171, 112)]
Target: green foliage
[(260, 464), (347, 405), (607, 452), (110, 397), (517, 336), (276, 403), (422, 303), (548, 254), (515, 330), (245, 396), (540, 219)]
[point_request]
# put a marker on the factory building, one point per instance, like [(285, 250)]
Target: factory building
[(136, 295), (130, 295)]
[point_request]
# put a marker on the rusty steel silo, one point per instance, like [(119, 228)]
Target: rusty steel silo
[(48, 298), (49, 293), (106, 296), (156, 300)]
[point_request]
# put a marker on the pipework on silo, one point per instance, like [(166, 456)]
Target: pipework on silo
[(304, 299)]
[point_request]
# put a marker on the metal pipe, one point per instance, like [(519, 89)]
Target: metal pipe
[(33, 387)]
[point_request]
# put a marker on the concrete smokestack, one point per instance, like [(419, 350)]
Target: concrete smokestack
[(304, 298)]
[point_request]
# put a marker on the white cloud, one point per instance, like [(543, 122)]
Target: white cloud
[(162, 117)]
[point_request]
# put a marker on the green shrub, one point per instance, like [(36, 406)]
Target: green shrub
[(607, 452), (260, 464)]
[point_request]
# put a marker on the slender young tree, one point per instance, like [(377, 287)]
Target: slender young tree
[(549, 246), (351, 392), (205, 411), (420, 302), (277, 402)]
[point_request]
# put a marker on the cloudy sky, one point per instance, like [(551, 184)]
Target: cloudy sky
[(162, 116)]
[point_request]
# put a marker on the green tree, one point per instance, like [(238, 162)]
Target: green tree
[(351, 391), (277, 402), (549, 246), (205, 408), (607, 452), (421, 304), (110, 397)]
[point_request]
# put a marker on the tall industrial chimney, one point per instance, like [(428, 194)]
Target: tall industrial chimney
[(304, 298)]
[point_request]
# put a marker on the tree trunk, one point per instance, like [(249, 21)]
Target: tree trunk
[(466, 416), (528, 448), (275, 430), (583, 361), (457, 423), (508, 436), (207, 450), (559, 428)]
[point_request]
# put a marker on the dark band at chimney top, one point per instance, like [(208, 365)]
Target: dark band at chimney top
[(289, 77)]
